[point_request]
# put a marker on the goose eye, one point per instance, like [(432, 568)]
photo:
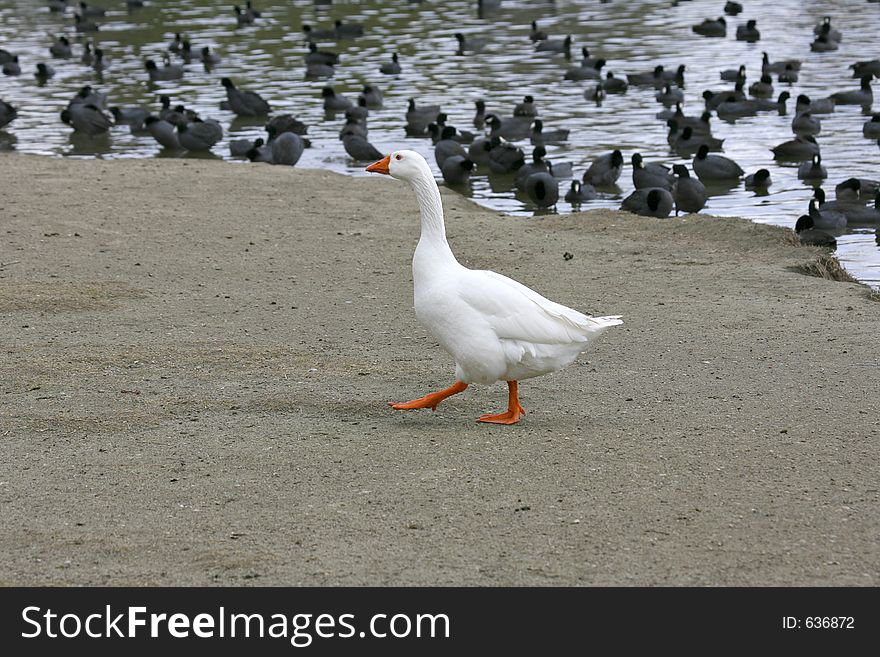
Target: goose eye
[(398, 157)]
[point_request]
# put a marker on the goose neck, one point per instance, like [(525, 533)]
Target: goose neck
[(431, 207)]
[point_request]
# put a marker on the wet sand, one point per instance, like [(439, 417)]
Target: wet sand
[(197, 358)]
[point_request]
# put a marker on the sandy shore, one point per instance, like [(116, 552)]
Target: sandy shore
[(197, 356)]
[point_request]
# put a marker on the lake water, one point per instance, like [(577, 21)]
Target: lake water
[(631, 36)]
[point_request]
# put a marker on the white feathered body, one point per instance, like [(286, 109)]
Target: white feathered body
[(497, 329)]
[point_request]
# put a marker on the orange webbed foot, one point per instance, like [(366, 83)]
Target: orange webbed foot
[(513, 412), (422, 402), (430, 400), (508, 417)]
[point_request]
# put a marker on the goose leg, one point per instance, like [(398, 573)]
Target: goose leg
[(431, 399), (514, 408)]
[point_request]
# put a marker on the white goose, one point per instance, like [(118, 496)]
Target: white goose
[(495, 328)]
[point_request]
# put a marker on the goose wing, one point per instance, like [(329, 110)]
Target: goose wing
[(517, 312)]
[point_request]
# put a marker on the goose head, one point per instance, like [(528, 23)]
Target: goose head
[(403, 165)]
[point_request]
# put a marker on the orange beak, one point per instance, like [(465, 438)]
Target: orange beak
[(381, 166)]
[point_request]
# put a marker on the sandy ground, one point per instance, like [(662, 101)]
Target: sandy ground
[(197, 356)]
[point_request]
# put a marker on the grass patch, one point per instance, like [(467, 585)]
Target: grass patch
[(827, 267)]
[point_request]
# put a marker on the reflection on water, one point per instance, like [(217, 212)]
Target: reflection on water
[(631, 36)]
